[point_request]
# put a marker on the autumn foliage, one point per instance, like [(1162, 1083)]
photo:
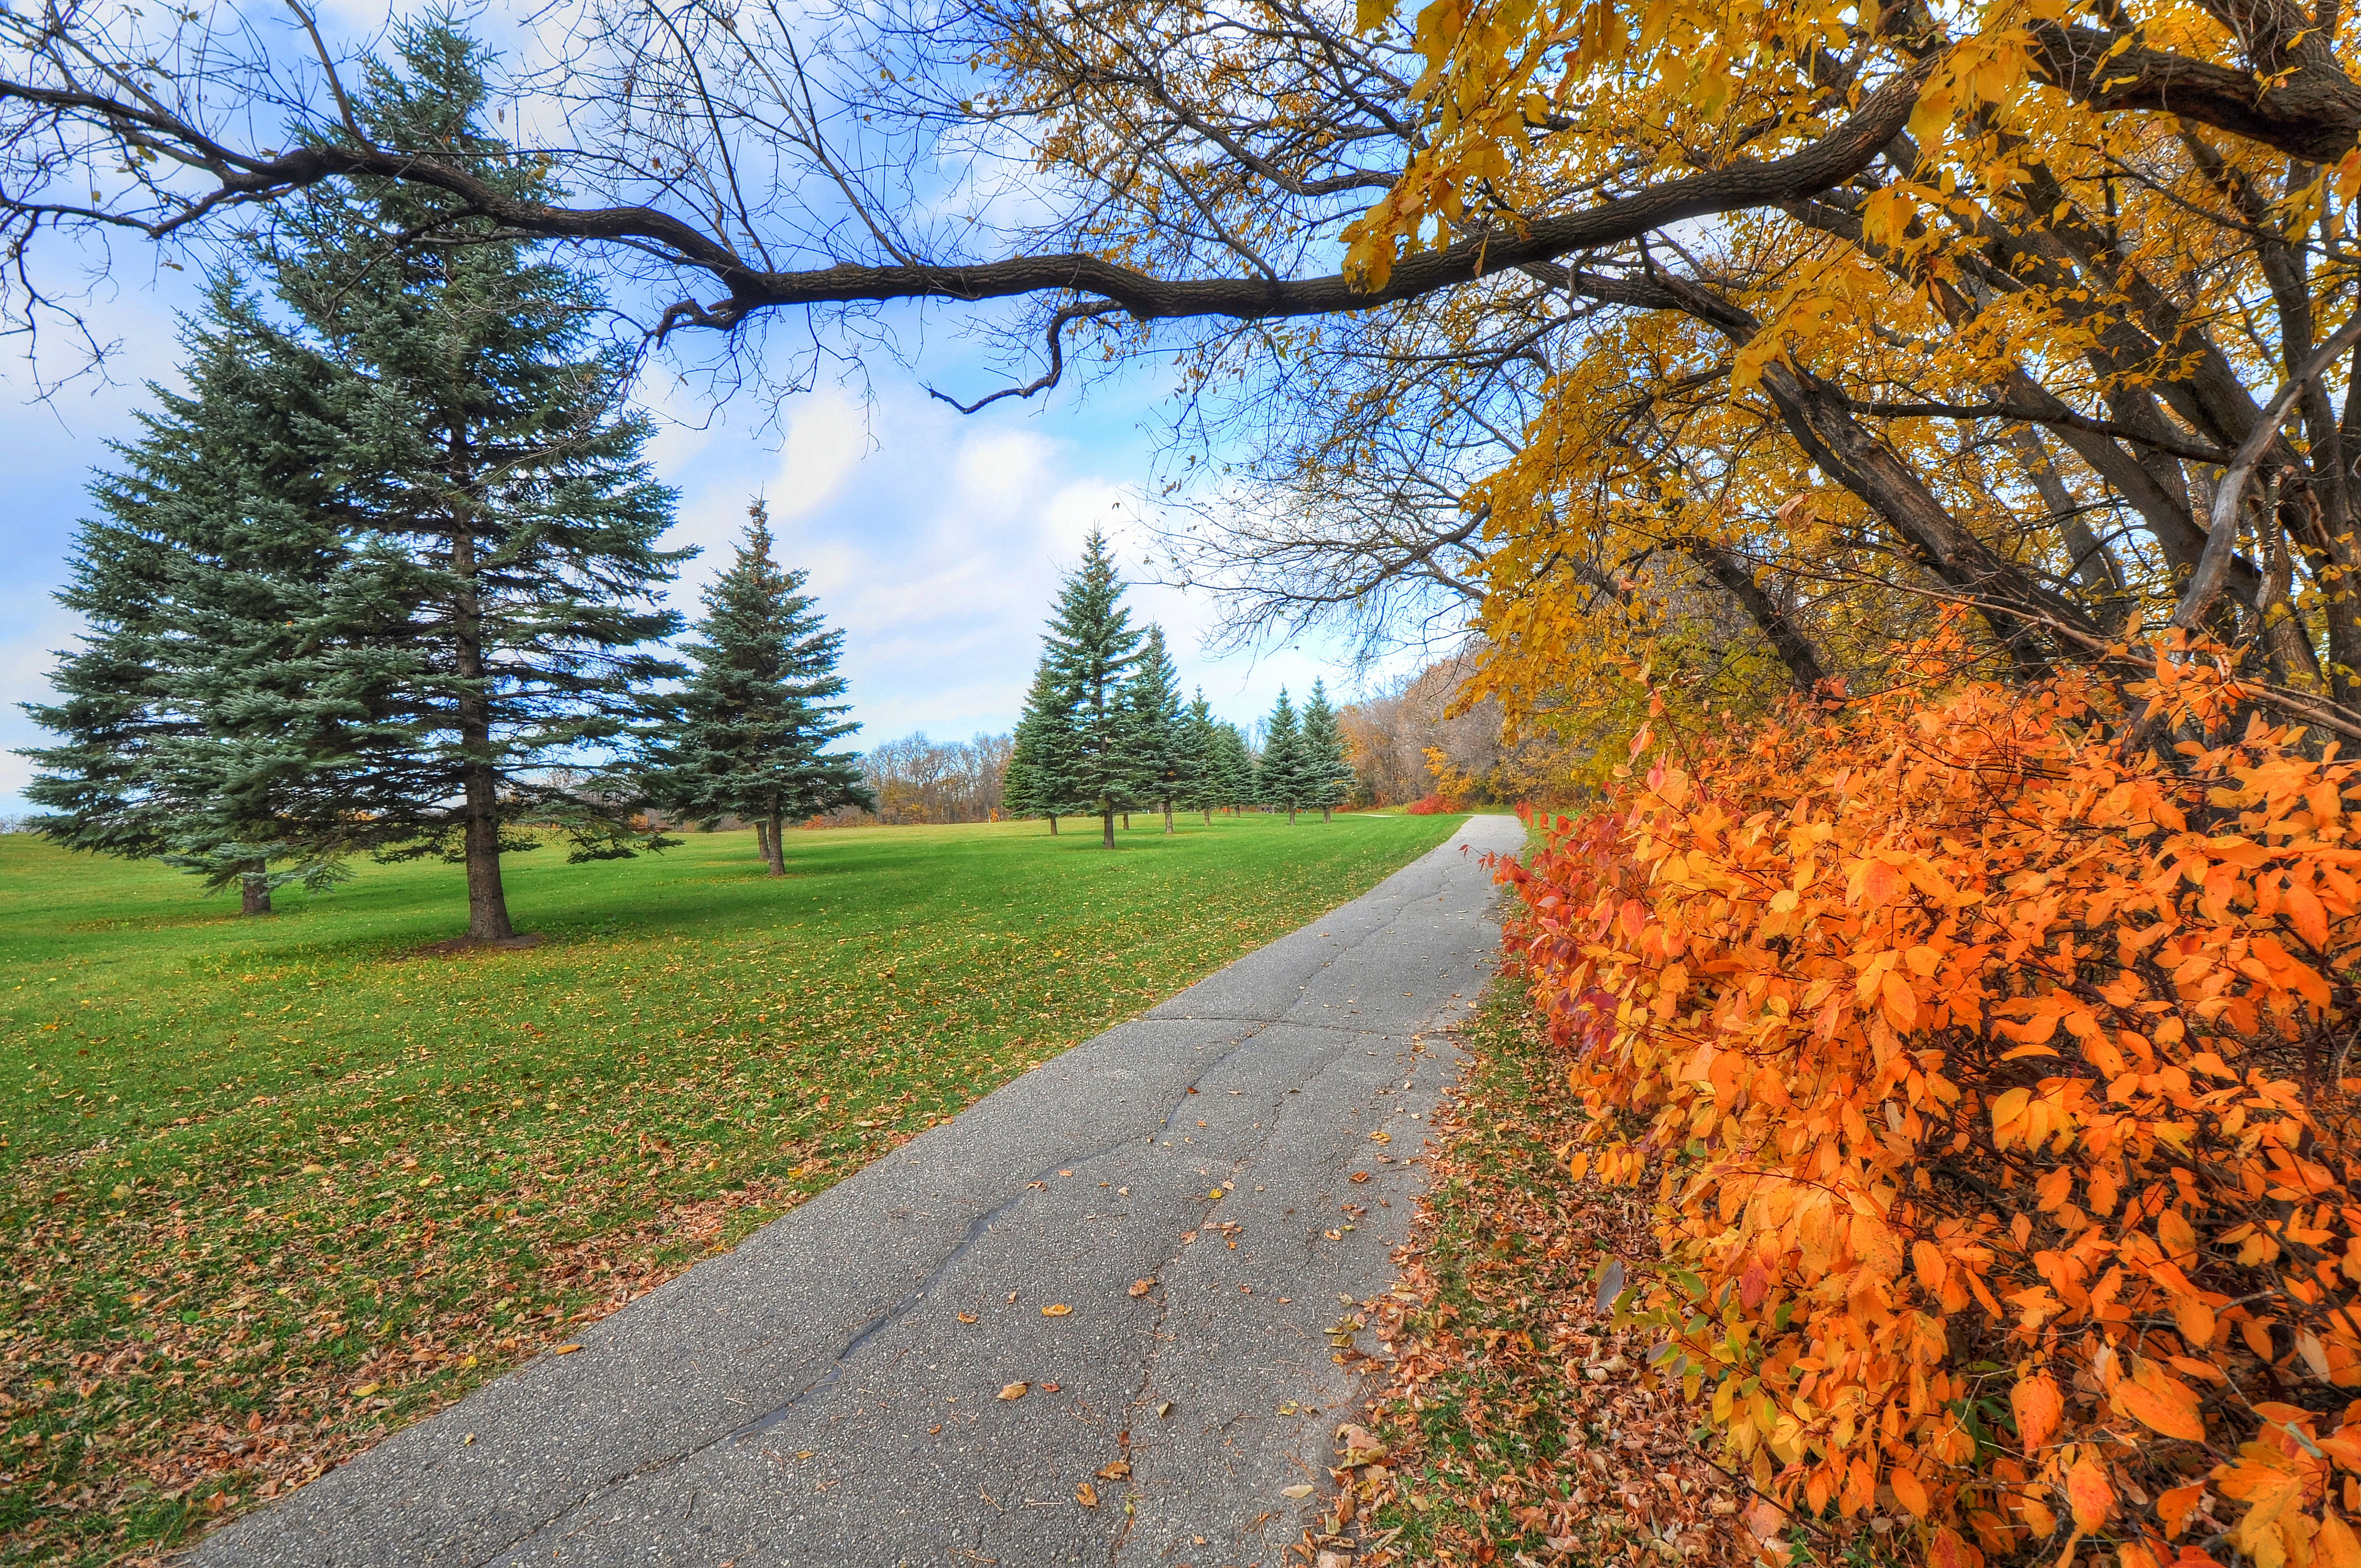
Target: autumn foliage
[(1998, 1084)]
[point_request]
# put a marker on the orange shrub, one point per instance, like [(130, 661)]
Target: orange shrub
[(1428, 806), (1999, 1084)]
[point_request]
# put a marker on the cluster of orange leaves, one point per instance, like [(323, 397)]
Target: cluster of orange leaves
[(1996, 1079)]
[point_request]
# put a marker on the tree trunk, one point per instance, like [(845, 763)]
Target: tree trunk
[(487, 903), (1327, 814), (1291, 814), (1168, 818), (1106, 826), (774, 849), (1053, 824), (254, 892), (1209, 816), (762, 840), (1126, 821)]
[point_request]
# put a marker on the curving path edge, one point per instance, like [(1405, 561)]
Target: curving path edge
[(813, 1398)]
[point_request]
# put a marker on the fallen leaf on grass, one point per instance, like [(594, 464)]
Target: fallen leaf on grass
[(1142, 1286), (1299, 1490), (1056, 1309), (563, 1349), (1016, 1390), (1086, 1494), (365, 1390)]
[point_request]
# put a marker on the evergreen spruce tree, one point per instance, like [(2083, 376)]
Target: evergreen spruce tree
[(1233, 769), (1041, 753), (1201, 766), (1281, 778), (197, 586), (1158, 739), (1327, 776), (1094, 644), (488, 616), (752, 728)]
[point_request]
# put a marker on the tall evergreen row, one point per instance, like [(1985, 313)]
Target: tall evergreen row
[(1105, 732), (386, 579)]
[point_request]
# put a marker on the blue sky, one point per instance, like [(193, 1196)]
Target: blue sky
[(934, 539)]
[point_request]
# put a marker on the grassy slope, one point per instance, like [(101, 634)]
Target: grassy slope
[(275, 1188)]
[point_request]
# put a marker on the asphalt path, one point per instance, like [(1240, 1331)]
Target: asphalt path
[(830, 1393)]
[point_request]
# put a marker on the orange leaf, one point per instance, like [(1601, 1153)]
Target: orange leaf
[(2161, 1403), (2175, 1507), (2088, 1492), (2038, 1405), (1910, 1490), (2335, 1546)]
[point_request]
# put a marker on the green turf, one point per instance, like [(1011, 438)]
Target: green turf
[(276, 1187)]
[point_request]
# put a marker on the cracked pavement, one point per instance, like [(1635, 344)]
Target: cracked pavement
[(828, 1392)]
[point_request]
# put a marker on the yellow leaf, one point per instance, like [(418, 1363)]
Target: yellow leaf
[(1016, 1390), (563, 1349), (1056, 1309), (365, 1390)]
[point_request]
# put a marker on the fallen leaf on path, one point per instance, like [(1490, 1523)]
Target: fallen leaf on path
[(1016, 1390), (1360, 1176), (1142, 1286), (1336, 1236), (1049, 1387), (966, 1317), (1299, 1490), (563, 1349), (1065, 1173), (1164, 1409), (1382, 1137), (1086, 1494), (1056, 1309), (1118, 1470)]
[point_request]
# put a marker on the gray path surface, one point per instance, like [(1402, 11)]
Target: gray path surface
[(813, 1396)]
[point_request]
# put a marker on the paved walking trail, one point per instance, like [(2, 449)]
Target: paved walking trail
[(814, 1398)]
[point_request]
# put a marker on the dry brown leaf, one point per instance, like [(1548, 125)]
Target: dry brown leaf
[(966, 1317), (1115, 1469), (1142, 1286), (1360, 1176), (1016, 1390), (1056, 1309), (1087, 1496)]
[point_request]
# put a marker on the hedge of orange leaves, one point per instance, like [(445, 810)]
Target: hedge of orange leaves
[(2000, 1081)]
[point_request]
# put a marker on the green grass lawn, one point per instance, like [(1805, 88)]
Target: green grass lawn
[(276, 1187)]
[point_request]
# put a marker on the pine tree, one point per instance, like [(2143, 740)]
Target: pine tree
[(1281, 780), (219, 536), (753, 723), (1200, 787), (1092, 638), (494, 575), (1040, 753), (1158, 741), (1327, 775)]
